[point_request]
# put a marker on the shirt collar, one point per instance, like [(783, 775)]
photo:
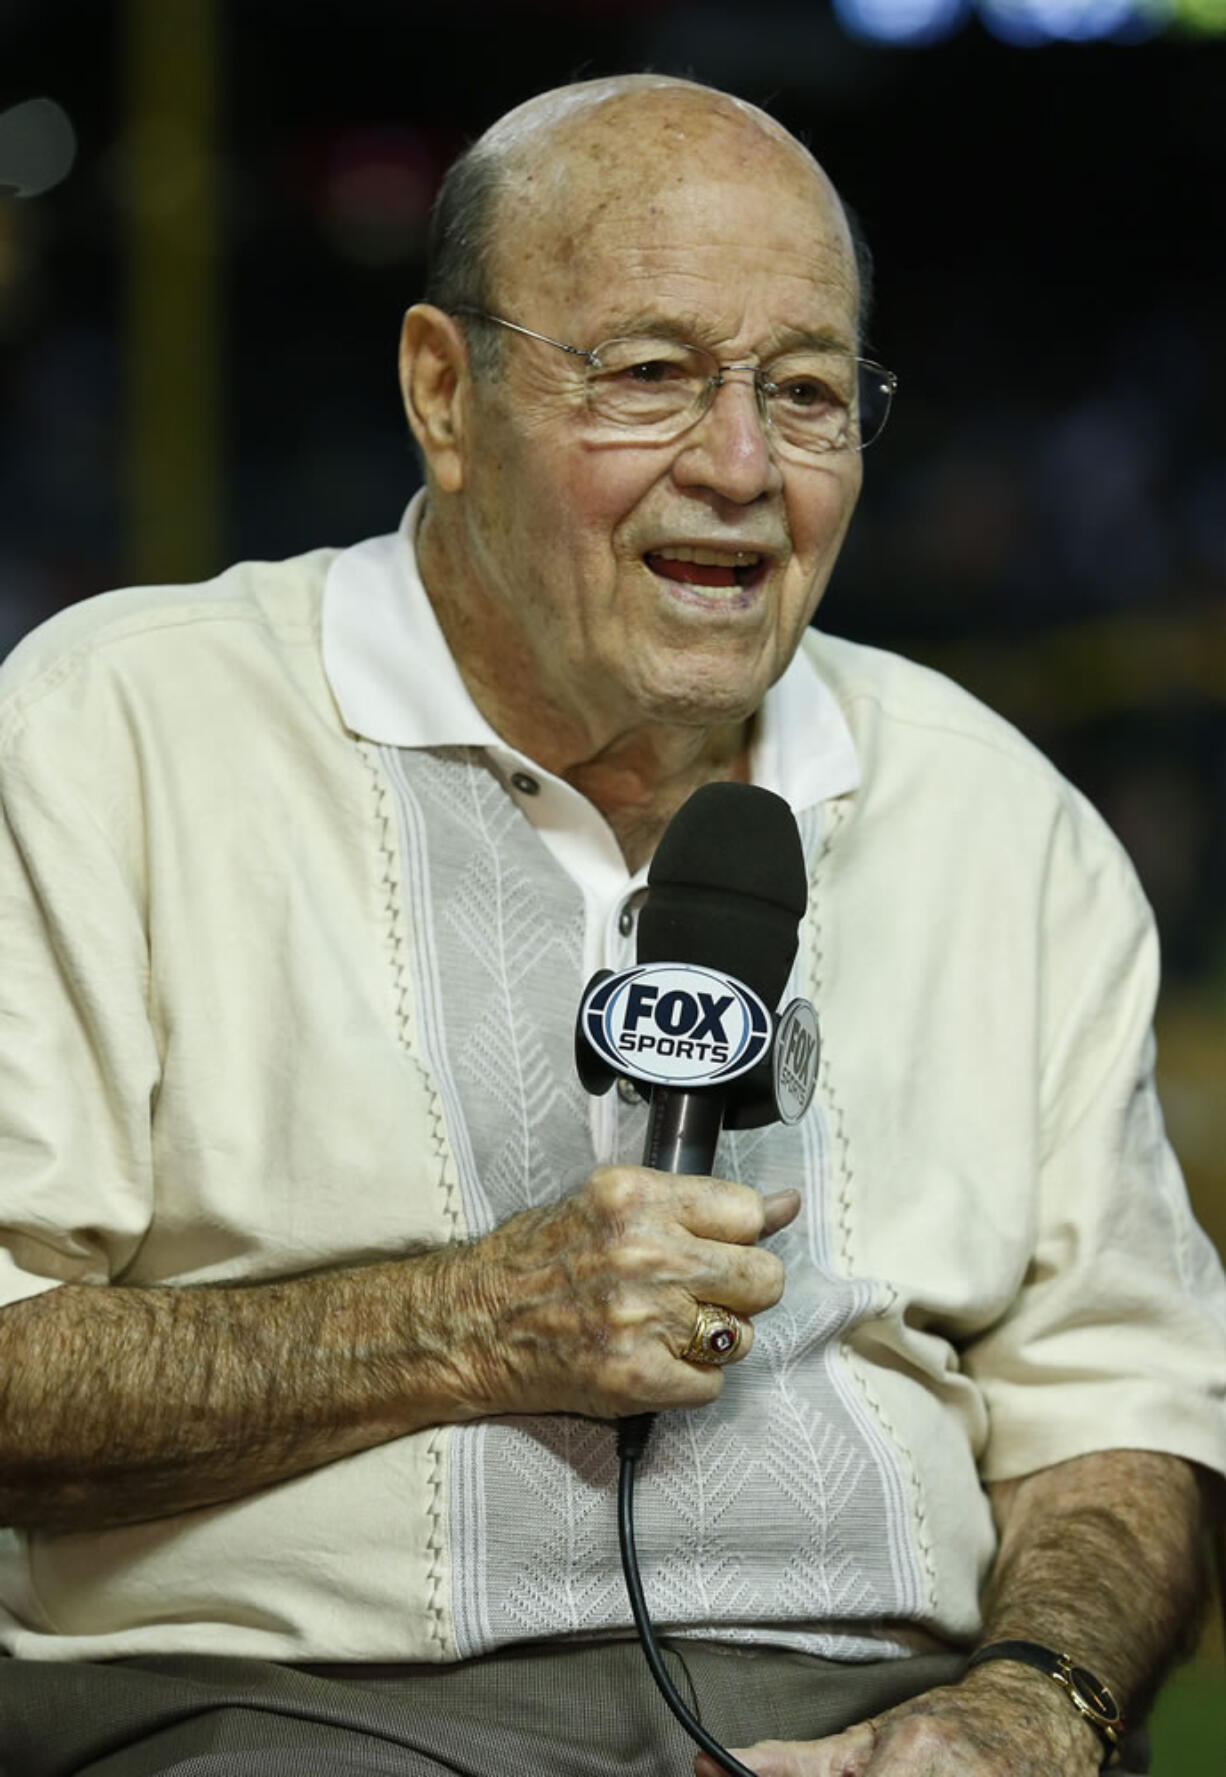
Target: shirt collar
[(396, 683), (385, 656)]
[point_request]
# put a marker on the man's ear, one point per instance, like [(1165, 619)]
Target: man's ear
[(434, 381)]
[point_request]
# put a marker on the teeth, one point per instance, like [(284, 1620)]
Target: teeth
[(711, 558)]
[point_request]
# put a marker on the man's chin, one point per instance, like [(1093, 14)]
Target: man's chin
[(701, 704)]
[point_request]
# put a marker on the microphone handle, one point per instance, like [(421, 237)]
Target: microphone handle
[(683, 1129), (682, 1135)]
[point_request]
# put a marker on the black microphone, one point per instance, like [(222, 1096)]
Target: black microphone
[(694, 1020)]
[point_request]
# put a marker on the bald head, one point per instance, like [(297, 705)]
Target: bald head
[(542, 176), (648, 110)]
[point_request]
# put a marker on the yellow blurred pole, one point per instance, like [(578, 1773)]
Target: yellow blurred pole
[(173, 298)]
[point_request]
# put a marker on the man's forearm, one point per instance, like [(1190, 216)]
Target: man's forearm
[(120, 1404), (1102, 1557)]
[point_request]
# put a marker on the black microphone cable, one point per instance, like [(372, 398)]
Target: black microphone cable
[(632, 1436), (681, 1137)]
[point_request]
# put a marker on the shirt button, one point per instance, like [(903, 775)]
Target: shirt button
[(628, 1091), (625, 922), (527, 786)]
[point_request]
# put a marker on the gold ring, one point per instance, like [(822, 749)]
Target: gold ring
[(717, 1337)]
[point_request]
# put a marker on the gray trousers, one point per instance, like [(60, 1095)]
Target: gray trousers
[(577, 1711)]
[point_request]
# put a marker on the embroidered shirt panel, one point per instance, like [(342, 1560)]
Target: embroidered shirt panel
[(783, 1516)]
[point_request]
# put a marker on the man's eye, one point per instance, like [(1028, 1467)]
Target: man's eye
[(807, 393), (654, 370)]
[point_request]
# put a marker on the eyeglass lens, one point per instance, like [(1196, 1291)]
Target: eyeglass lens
[(817, 401)]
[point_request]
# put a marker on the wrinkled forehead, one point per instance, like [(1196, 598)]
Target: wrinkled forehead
[(649, 164)]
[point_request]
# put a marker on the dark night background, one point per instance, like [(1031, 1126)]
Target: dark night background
[(1044, 517)]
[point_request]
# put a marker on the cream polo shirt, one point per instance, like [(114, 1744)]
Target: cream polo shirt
[(217, 1062)]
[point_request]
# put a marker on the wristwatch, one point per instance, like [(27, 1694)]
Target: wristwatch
[(1090, 1697)]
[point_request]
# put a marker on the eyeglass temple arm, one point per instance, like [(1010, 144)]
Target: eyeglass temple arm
[(528, 333)]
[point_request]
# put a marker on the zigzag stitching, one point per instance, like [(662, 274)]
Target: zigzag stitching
[(436, 1604), (392, 910), (846, 1177), (393, 913), (842, 1146)]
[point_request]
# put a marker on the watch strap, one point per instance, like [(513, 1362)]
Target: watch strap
[(1090, 1697)]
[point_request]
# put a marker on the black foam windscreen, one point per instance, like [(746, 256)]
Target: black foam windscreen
[(727, 888)]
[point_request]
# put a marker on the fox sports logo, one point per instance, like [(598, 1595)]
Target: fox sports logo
[(676, 1024)]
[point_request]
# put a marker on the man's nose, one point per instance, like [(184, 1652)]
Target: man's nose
[(729, 449)]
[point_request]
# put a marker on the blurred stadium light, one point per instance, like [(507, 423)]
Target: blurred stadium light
[(1028, 24), (903, 22), (37, 147)]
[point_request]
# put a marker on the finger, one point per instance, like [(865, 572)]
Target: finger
[(718, 1209), (759, 1758), (770, 1758), (844, 1755), (705, 1766), (780, 1208), (749, 1280), (712, 1208), (642, 1383), (650, 1332), (779, 1758)]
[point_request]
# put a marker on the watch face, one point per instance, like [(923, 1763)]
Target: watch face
[(1093, 1694)]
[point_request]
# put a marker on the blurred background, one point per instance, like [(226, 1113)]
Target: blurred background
[(198, 327)]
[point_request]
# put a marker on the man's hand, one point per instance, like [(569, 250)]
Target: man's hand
[(1100, 1554), (586, 1306), (990, 1725)]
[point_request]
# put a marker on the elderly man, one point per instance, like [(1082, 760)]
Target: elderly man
[(323, 1275)]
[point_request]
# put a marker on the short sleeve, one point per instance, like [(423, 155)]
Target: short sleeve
[(1117, 1338), (78, 1059)]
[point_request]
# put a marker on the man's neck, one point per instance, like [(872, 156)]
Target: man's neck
[(638, 792), (636, 776)]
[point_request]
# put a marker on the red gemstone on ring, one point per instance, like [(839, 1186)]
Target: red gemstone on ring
[(722, 1339)]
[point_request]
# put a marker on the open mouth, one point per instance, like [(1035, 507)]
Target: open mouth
[(707, 568)]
